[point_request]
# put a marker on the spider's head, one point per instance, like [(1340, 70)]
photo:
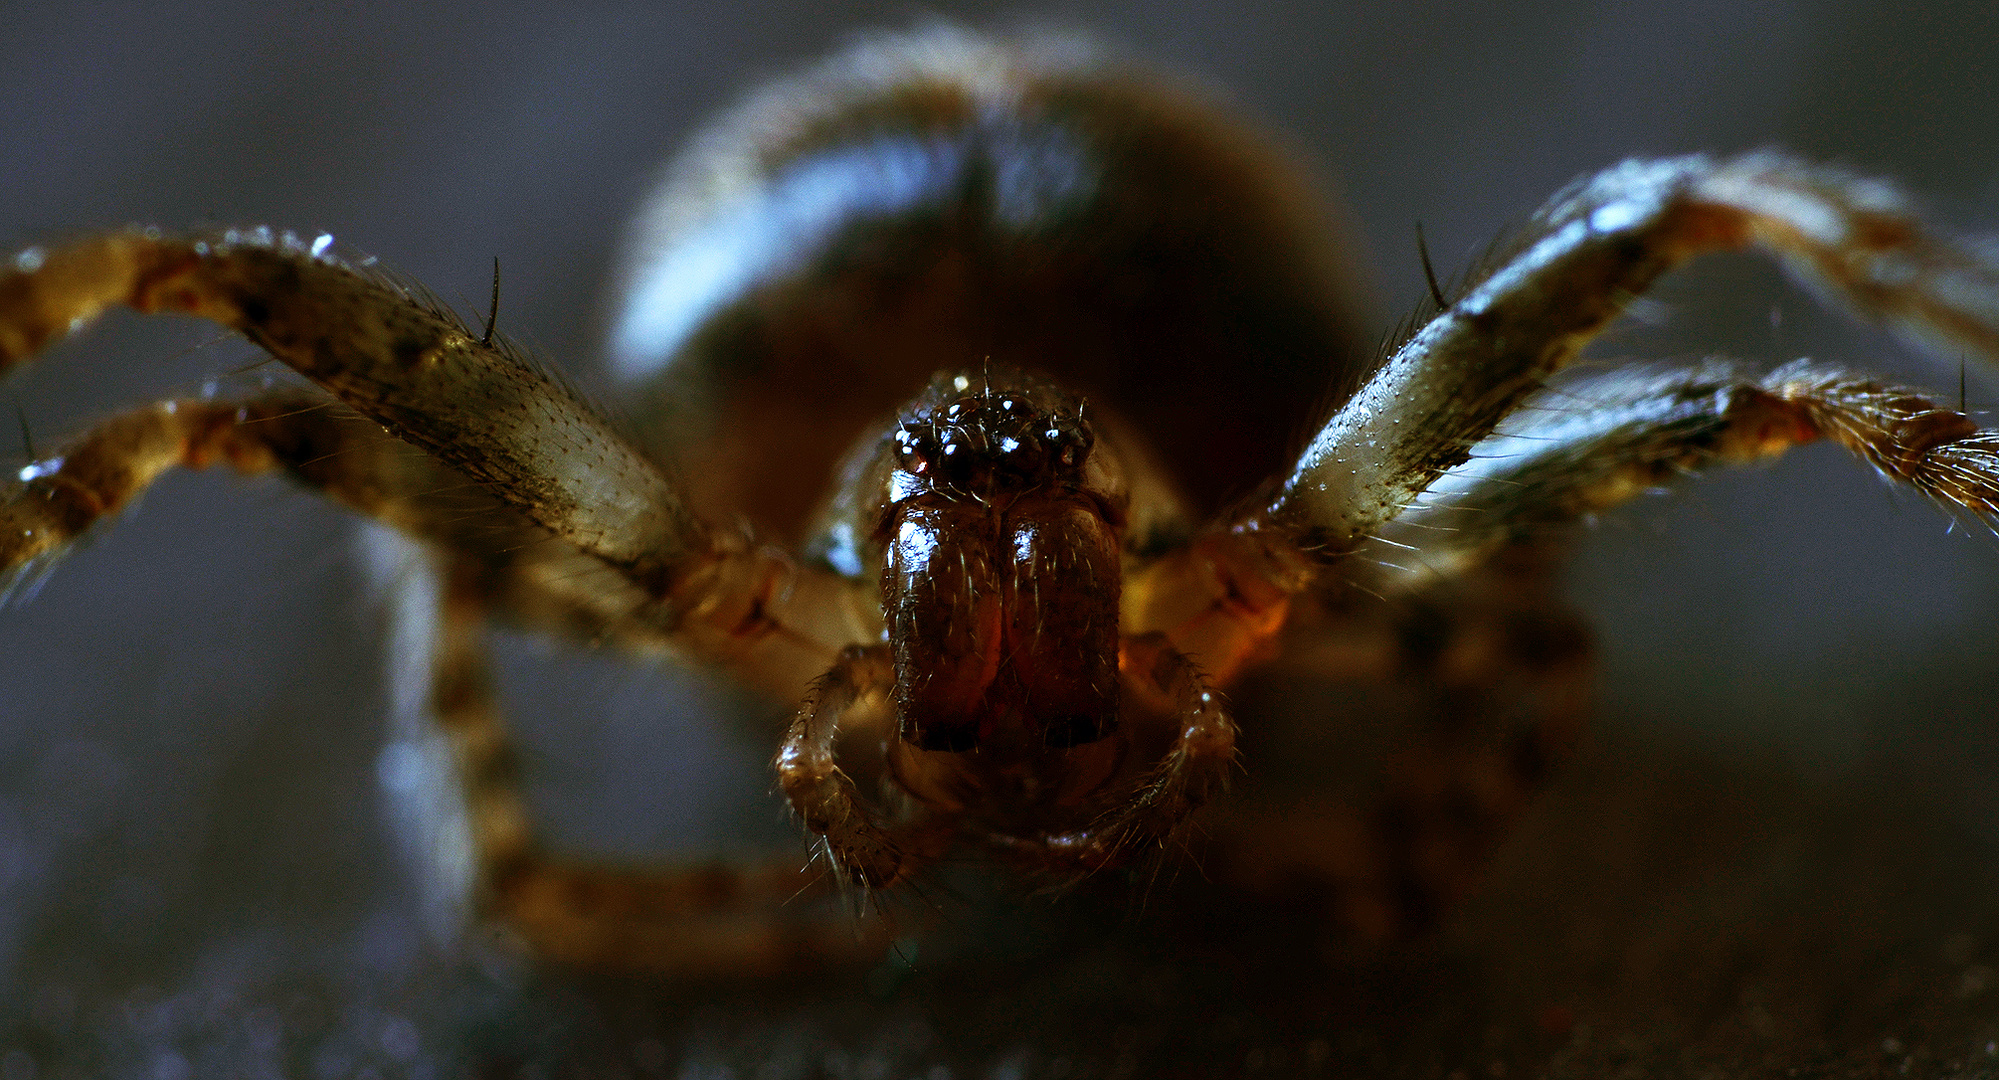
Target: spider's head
[(1000, 524)]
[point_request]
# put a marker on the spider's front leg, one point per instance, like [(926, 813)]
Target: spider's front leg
[(467, 399), (1596, 246), (1602, 243)]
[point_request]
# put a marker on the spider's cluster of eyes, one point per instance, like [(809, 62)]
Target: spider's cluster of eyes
[(990, 439)]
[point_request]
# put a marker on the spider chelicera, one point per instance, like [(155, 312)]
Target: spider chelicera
[(1074, 354)]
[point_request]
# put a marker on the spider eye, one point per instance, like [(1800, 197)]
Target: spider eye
[(1073, 445), (1022, 455), (912, 452)]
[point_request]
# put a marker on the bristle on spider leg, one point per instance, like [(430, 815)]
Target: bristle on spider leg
[(1938, 451)]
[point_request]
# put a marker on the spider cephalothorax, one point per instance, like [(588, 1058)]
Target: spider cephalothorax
[(996, 518)]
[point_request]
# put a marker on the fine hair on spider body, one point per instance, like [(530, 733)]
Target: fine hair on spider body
[(1070, 364)]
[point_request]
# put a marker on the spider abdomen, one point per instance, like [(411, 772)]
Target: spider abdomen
[(931, 203)]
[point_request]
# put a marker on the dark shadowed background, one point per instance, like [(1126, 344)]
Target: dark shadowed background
[(1778, 852)]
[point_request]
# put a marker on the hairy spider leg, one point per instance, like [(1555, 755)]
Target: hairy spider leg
[(692, 920), (1225, 598), (60, 497), (1604, 242), (1598, 244), (535, 579), (701, 921), (404, 361), (1588, 447), (458, 782)]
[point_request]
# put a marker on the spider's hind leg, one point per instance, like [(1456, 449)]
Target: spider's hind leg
[(453, 772), (1400, 738)]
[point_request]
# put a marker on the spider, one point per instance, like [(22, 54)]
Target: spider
[(984, 293)]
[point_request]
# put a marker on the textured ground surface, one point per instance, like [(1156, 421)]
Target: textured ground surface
[(1662, 915)]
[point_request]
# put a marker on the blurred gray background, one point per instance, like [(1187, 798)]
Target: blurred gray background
[(196, 877)]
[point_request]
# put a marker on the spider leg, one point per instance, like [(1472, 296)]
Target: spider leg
[(1605, 242), (454, 771), (458, 775), (404, 361), (1386, 781), (532, 578), (1600, 243), (1467, 631), (1594, 445), (323, 444), (60, 497)]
